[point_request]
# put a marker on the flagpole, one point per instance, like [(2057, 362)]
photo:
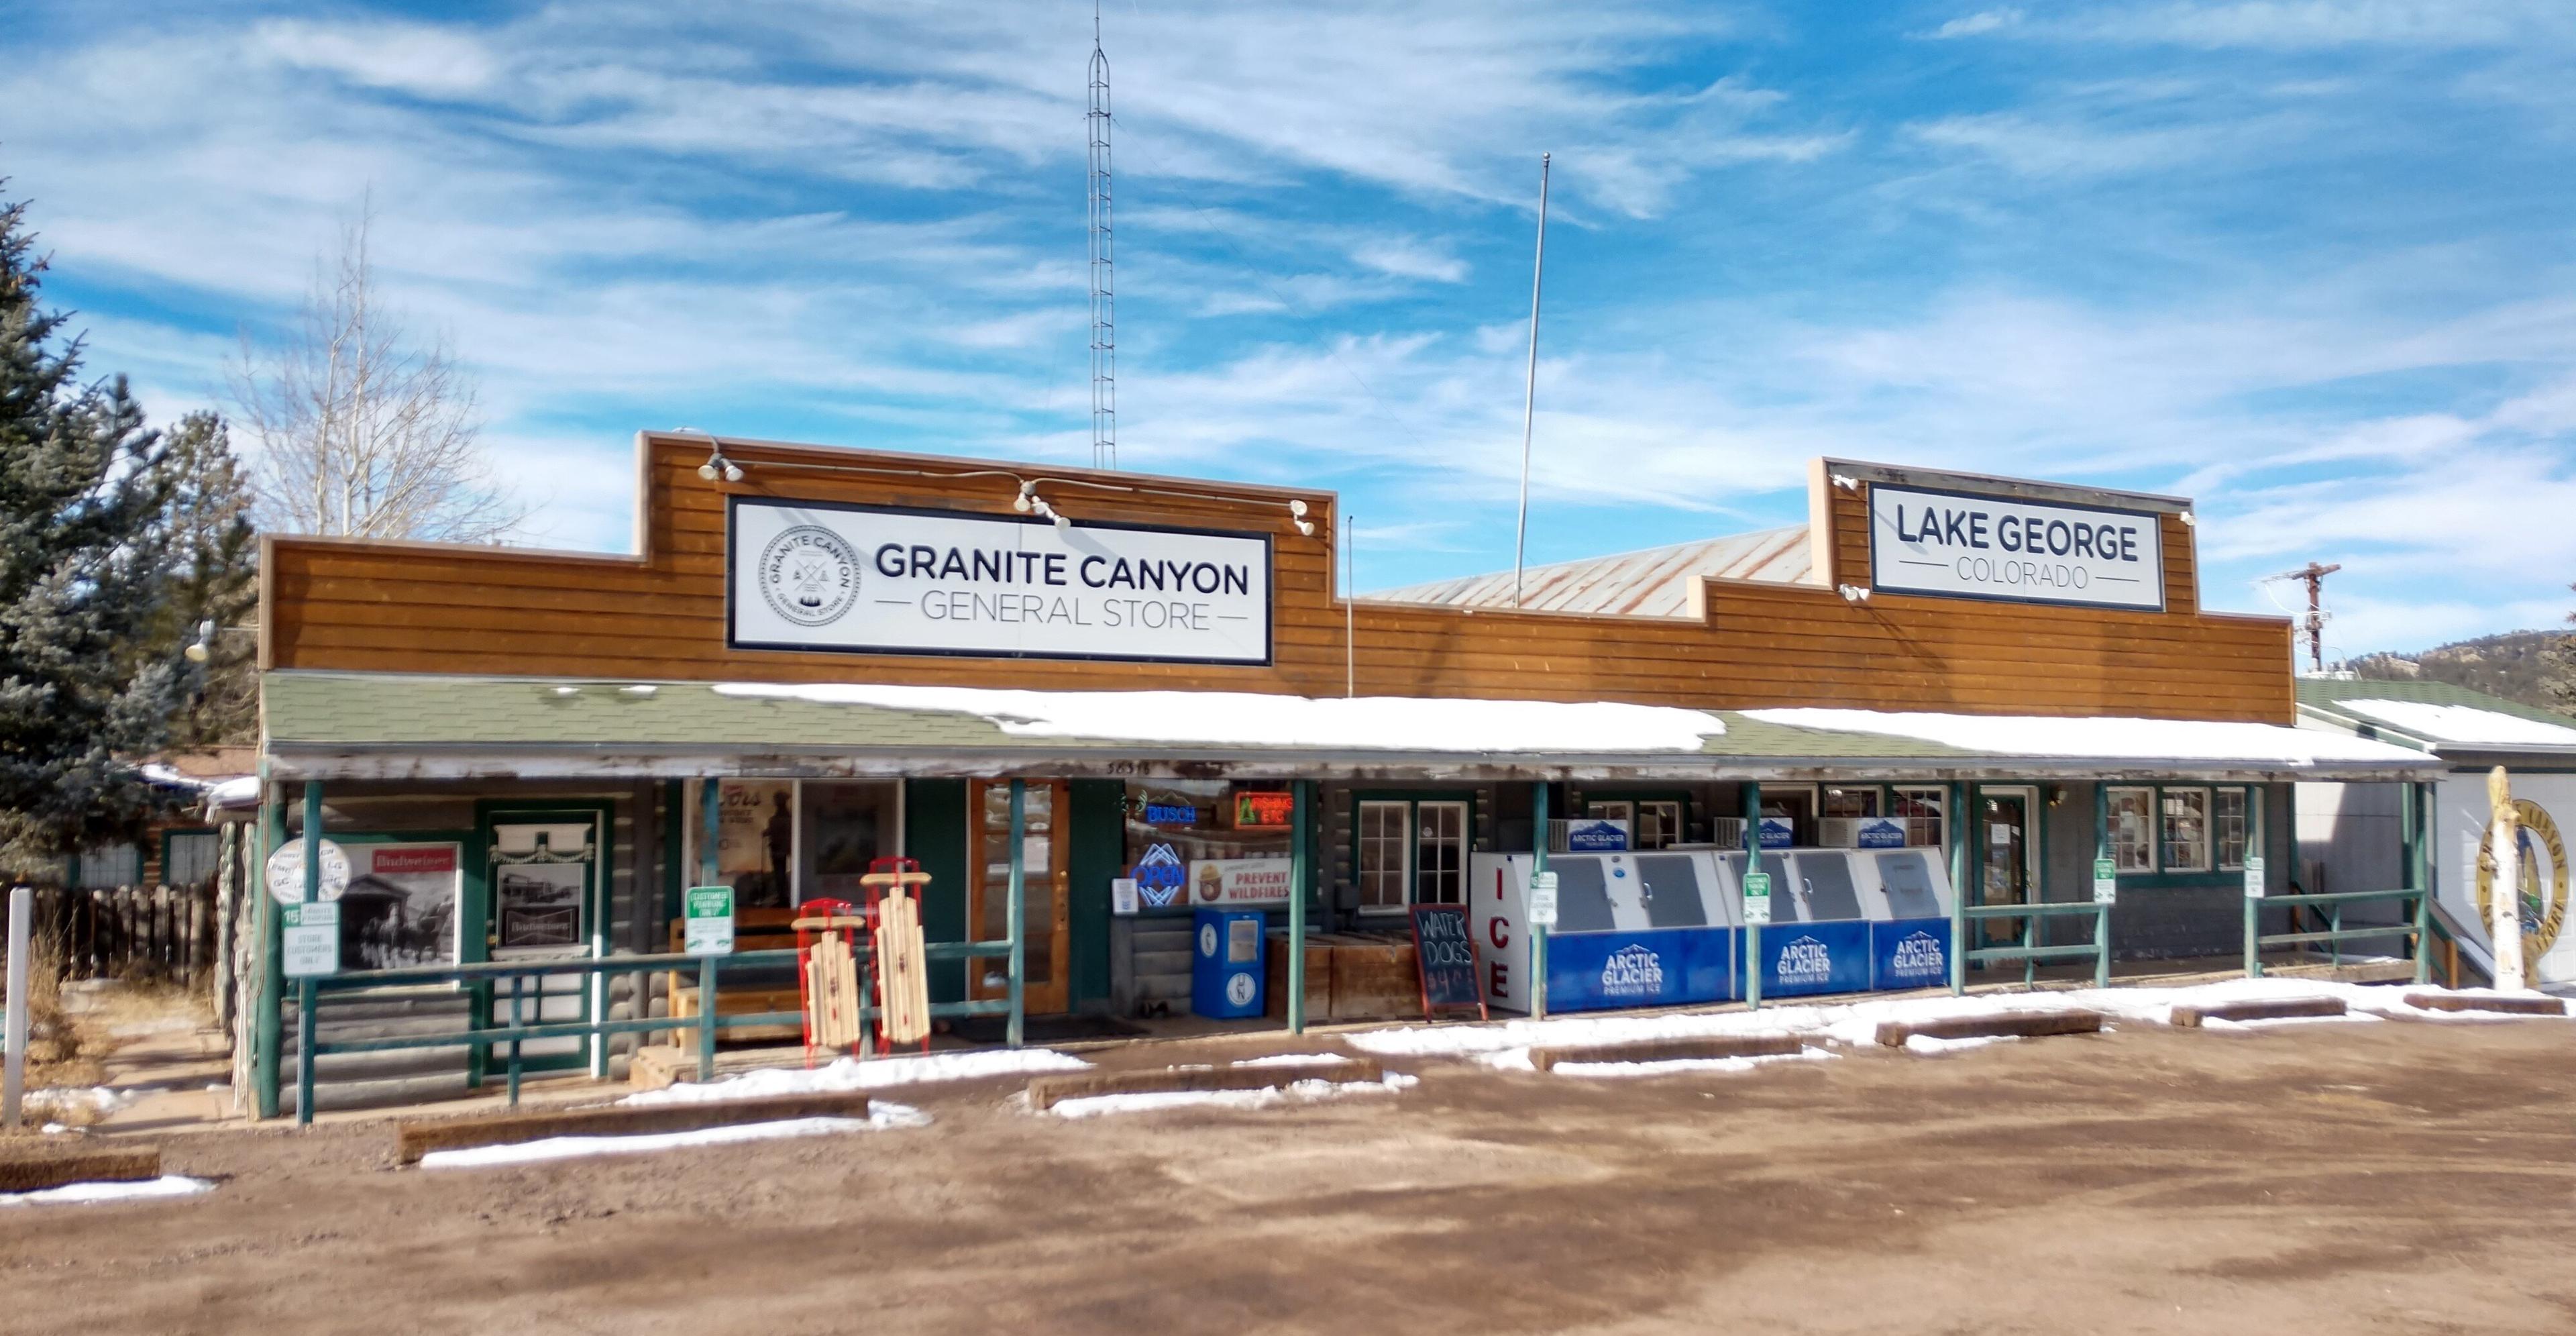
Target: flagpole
[(1529, 401)]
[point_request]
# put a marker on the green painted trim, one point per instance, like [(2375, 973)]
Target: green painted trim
[(1096, 853), (2213, 875), (675, 851), (934, 835)]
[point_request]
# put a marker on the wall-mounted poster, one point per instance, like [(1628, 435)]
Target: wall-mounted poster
[(756, 841), (1241, 882), (400, 906), (537, 906)]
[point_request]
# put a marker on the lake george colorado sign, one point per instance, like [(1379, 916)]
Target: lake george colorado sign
[(1958, 545), (810, 576)]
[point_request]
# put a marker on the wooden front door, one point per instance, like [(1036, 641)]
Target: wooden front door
[(1045, 892), (2003, 839)]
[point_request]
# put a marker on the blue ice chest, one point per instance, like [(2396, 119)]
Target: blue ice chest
[(1226, 967)]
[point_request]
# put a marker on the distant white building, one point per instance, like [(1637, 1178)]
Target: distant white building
[(2348, 833)]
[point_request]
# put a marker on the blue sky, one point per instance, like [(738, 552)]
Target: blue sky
[(2306, 260)]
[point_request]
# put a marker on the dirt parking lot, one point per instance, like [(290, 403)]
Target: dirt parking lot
[(2397, 1177)]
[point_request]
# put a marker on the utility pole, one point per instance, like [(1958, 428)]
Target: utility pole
[(1529, 399), (2315, 625)]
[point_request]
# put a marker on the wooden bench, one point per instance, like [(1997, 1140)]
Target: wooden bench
[(776, 990)]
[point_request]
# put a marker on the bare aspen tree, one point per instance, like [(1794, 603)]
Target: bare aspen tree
[(360, 431)]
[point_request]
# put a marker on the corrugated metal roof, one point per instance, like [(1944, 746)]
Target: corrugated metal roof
[(1653, 583)]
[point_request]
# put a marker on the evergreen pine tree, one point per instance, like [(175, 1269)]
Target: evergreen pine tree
[(2558, 668), (84, 575), (213, 569)]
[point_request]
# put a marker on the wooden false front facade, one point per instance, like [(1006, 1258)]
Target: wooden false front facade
[(661, 615)]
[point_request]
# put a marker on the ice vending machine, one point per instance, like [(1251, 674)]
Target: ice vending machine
[(1633, 930)]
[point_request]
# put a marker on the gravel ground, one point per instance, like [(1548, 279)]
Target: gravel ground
[(2348, 1178)]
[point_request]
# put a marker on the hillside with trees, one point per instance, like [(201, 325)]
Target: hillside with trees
[(2517, 665)]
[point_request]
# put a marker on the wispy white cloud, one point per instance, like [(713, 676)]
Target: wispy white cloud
[(1971, 25)]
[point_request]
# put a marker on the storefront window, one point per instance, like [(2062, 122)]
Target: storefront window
[(2185, 830), (1183, 831), (2229, 817), (1385, 855), (1440, 854), (1920, 810), (188, 857), (2133, 839), (1853, 802), (844, 824), (1652, 824)]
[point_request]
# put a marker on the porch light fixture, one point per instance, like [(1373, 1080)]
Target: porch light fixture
[(1028, 502), (1847, 482), (1854, 593), (1305, 526), (203, 647), (2190, 520), (717, 466)]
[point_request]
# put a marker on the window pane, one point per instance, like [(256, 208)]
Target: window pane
[(1658, 824), (1440, 857), (191, 858), (1920, 810), (1383, 866), (1851, 802), (2133, 847), (2230, 820), (2185, 834)]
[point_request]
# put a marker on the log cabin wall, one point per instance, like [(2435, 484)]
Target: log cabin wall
[(432, 608)]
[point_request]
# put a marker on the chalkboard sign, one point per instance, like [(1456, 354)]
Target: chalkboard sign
[(1445, 953)]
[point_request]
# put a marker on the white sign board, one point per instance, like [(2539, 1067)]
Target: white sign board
[(285, 872), (708, 926), (1122, 895), (309, 939), (1757, 897), (807, 576), (1241, 881), (2106, 882), (1542, 900), (2253, 878), (1959, 545)]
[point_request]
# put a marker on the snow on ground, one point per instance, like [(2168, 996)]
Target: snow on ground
[(1856, 1022), (1295, 1092), (1245, 719), (167, 1185), (871, 1074), (1933, 1044), (99, 1100), (1681, 1066), (881, 1116), (1294, 1060), (2128, 739)]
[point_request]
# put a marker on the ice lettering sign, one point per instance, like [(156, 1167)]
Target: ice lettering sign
[(811, 576), (1446, 955), (1959, 545)]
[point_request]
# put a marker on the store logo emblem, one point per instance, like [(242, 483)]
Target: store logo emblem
[(1632, 971), (1918, 955), (809, 575)]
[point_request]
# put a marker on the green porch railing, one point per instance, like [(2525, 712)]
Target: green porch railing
[(516, 973), (2030, 954), (2413, 927)]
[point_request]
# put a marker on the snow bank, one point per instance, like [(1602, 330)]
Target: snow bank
[(2463, 723), (1246, 719), (1295, 1092), (880, 1117), (1856, 1022), (100, 1100), (2109, 738), (1294, 1060), (1933, 1044), (1680, 1066), (167, 1185), (872, 1074)]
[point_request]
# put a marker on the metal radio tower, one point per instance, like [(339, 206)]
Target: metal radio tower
[(1104, 268)]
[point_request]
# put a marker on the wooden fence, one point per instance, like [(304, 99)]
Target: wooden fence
[(132, 932)]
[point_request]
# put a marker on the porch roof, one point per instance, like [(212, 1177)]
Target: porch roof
[(389, 726)]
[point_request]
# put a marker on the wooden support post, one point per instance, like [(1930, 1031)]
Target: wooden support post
[(305, 1021), (2102, 913), (1018, 911), (2255, 801), (2420, 873), (268, 1024), (706, 1017), (1538, 932), (1956, 827), (709, 816), (1299, 867), (1749, 797)]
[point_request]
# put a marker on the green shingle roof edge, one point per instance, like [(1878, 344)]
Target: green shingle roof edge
[(395, 711), (2327, 694)]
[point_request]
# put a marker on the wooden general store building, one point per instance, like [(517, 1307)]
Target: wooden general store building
[(819, 656)]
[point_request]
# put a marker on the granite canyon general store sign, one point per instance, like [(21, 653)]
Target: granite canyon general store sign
[(861, 579)]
